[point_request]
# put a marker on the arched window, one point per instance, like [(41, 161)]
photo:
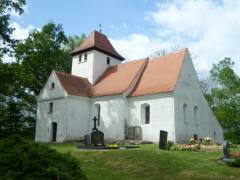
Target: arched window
[(108, 60), (80, 58), (51, 107), (195, 110), (85, 57), (145, 114), (185, 113)]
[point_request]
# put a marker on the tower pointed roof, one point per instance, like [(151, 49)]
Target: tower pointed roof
[(100, 42)]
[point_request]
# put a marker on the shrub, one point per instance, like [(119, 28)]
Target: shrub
[(235, 163), (20, 159)]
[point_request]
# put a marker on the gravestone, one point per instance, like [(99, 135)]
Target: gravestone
[(195, 137), (87, 140), (97, 137), (226, 150), (163, 139)]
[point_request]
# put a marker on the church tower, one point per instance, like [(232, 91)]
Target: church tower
[(93, 56)]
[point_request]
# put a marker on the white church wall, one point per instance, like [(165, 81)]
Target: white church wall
[(55, 95), (45, 120), (161, 115), (188, 91), (100, 63), (48, 92), (71, 115), (113, 116), (93, 67), (83, 69), (77, 117)]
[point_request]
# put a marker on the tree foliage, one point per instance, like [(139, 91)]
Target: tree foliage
[(6, 6), (75, 41), (224, 98), (21, 82), (42, 52)]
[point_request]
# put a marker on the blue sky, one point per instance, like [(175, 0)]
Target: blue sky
[(138, 28), (117, 17)]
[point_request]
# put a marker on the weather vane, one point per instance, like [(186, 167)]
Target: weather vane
[(100, 28)]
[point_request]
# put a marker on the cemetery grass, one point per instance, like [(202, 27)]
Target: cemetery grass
[(148, 162)]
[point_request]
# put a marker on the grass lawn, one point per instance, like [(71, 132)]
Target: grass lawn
[(148, 162)]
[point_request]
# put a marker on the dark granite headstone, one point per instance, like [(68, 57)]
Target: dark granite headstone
[(163, 139), (226, 150), (97, 137), (195, 137)]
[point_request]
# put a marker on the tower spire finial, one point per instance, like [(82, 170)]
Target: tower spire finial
[(100, 28)]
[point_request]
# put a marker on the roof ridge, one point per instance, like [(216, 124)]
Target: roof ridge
[(116, 65), (160, 75), (136, 77), (170, 53), (97, 41)]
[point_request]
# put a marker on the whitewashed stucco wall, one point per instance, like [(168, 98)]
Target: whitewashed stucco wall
[(77, 109), (44, 118), (83, 69), (161, 115), (113, 116), (95, 65), (71, 113), (100, 63), (188, 92)]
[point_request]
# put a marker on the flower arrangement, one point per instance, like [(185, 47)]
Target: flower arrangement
[(185, 147), (112, 146), (193, 141), (207, 141)]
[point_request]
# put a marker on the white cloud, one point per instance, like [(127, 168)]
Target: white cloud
[(138, 45), (19, 33), (210, 29)]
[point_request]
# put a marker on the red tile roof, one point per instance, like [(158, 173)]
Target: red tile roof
[(98, 41), (159, 75), (116, 79), (74, 85)]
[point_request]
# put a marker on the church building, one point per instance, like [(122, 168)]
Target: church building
[(130, 99)]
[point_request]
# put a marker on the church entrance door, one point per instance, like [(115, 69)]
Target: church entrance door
[(54, 131)]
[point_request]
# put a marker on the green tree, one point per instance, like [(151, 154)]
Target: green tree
[(42, 52), (39, 54), (6, 6), (75, 41), (15, 113), (224, 98)]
